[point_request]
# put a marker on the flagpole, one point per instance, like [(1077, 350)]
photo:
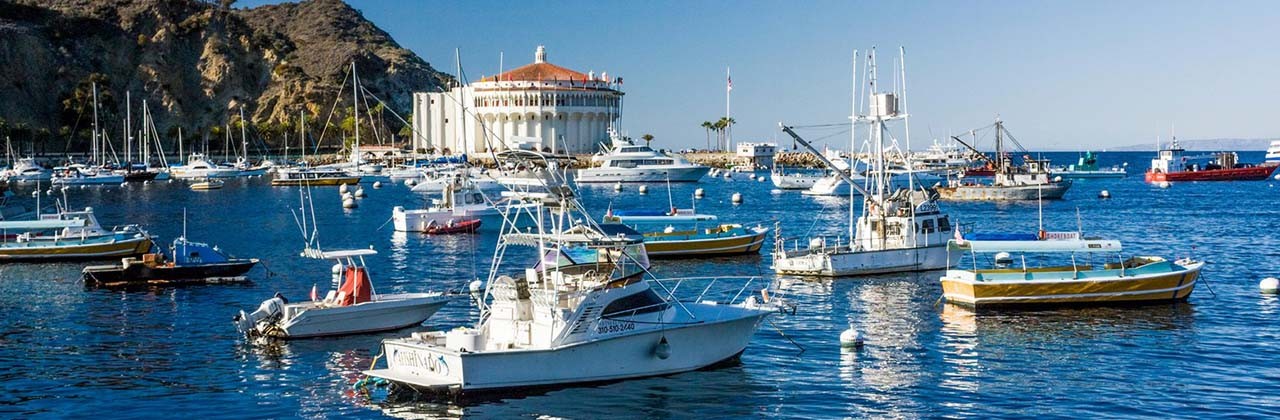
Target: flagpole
[(727, 90)]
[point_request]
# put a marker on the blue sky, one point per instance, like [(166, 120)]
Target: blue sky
[(1063, 75)]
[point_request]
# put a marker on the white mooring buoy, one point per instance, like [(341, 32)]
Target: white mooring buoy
[(1269, 285), (761, 178), (617, 186), (1277, 177), (359, 192), (698, 193), (348, 202), (410, 182), (342, 189), (1163, 184), (377, 184), (644, 189), (737, 198), (1104, 194), (775, 191), (851, 337)]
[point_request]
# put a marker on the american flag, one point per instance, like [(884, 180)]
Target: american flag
[(730, 86)]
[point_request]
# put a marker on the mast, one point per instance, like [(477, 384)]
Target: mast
[(906, 124), (94, 147), (128, 128), (355, 115), (853, 139), (244, 139), (462, 99), (728, 133), (302, 134), (180, 157)]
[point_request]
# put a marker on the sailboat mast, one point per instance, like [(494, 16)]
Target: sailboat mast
[(906, 123), (93, 149), (180, 144), (302, 134), (244, 139), (128, 127), (853, 138), (355, 115)]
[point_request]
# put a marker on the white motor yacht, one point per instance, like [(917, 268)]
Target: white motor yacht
[(199, 167), (81, 174), (630, 162), (26, 169)]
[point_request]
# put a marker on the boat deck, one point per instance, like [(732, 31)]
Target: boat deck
[(1059, 273)]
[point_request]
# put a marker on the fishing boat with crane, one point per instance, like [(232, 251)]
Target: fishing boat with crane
[(583, 313), (898, 230), (1171, 166), (1029, 181)]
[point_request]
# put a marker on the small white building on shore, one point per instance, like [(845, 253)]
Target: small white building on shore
[(565, 111)]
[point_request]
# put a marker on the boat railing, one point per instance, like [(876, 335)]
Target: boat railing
[(710, 292)]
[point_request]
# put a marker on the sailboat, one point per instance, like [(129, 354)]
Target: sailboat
[(583, 312), (320, 175), (899, 229), (85, 174)]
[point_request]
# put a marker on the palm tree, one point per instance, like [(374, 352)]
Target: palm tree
[(726, 126), (719, 127), (648, 138), (706, 125)]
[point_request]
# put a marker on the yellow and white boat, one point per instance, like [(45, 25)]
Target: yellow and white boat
[(1011, 282), (208, 184), (692, 241), (69, 235)]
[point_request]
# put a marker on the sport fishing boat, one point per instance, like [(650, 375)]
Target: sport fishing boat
[(351, 307), (626, 161), (1029, 181), (900, 228), (1087, 167), (462, 207), (199, 167), (26, 169), (69, 235), (1071, 278), (583, 313), (191, 262), (691, 240), (1171, 166)]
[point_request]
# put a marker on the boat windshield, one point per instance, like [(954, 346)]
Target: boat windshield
[(644, 302)]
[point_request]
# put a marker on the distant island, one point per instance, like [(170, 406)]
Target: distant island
[(1202, 145)]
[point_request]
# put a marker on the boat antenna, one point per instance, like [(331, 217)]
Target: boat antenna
[(670, 202)]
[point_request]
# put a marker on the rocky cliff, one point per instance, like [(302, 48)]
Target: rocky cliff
[(195, 62)]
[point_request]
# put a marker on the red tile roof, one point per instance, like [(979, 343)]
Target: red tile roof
[(537, 72)]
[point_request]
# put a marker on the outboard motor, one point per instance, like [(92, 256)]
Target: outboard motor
[(268, 312)]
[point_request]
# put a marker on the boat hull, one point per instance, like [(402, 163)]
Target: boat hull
[(662, 246), (846, 263), (692, 346), (678, 174), (75, 249), (794, 181), (1144, 288), (1100, 174), (1253, 173), (388, 312), (90, 180), (1053, 191), (141, 274)]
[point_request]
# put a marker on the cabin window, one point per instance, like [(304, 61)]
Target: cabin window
[(927, 226), (944, 224), (639, 303)]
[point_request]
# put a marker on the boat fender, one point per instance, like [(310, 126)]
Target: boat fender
[(663, 349)]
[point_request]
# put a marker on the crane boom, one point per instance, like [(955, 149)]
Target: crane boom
[(824, 160)]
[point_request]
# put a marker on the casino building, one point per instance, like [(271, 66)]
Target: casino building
[(539, 106)]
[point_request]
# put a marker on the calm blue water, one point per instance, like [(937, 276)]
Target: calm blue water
[(67, 351)]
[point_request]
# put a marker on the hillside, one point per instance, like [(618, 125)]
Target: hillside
[(193, 61), (1205, 145)]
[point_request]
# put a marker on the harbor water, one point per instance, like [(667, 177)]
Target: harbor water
[(68, 351)]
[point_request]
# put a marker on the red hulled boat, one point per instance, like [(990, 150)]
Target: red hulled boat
[(1171, 166)]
